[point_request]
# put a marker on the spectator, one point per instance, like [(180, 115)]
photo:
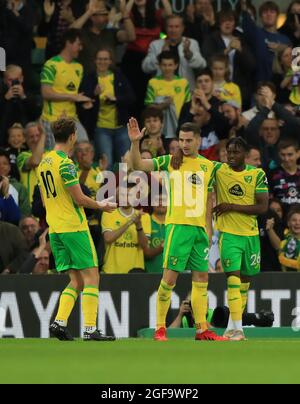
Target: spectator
[(42, 265), (29, 226), (96, 34), (277, 207), (174, 147), (154, 251), (168, 92), (13, 249), (153, 120), (285, 180), (109, 113), (253, 157), (229, 42), (125, 234), (37, 261), (148, 24), (259, 97), (187, 50), (271, 232), (200, 20), (291, 27), (236, 121), (289, 255), (9, 210), (60, 79), (16, 104), (16, 190), (16, 145), (264, 41), (28, 161), (224, 89), (56, 20), (16, 33), (214, 126), (90, 175), (283, 74)]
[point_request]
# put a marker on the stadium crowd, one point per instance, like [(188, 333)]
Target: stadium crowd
[(101, 62)]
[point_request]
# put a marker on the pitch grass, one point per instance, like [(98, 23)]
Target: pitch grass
[(145, 361)]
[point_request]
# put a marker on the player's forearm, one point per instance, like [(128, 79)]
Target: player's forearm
[(136, 156), (251, 210), (84, 201)]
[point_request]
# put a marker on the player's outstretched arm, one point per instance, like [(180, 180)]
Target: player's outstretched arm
[(135, 135), (84, 201)]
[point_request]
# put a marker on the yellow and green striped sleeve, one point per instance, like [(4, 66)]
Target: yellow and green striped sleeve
[(162, 163), (150, 94), (68, 173), (48, 73), (261, 183)]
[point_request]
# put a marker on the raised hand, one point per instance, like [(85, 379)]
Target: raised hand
[(107, 205), (134, 133)]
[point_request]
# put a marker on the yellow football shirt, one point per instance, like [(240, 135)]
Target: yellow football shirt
[(108, 117), (28, 178), (239, 188), (178, 89), (124, 254), (56, 173), (64, 78), (187, 188), (230, 92)]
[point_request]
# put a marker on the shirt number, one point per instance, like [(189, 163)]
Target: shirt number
[(49, 184)]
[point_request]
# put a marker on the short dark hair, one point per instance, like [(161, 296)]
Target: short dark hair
[(269, 84), (191, 127), (4, 153), (294, 209), (205, 72), (168, 55), (285, 143), (250, 147), (238, 142), (268, 5), (226, 15), (152, 112), (63, 129), (71, 36)]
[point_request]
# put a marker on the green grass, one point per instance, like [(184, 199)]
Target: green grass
[(146, 361)]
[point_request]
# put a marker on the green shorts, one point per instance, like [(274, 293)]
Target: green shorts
[(186, 248), (73, 251), (240, 253)]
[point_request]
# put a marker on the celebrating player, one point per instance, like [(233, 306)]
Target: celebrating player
[(188, 220), (70, 238), (242, 194)]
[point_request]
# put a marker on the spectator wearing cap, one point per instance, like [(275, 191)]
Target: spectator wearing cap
[(230, 42), (187, 49), (266, 40), (96, 34)]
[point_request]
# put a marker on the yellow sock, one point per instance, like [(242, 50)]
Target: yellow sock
[(199, 302), (244, 292), (235, 298), (66, 303), (163, 303), (90, 302)]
